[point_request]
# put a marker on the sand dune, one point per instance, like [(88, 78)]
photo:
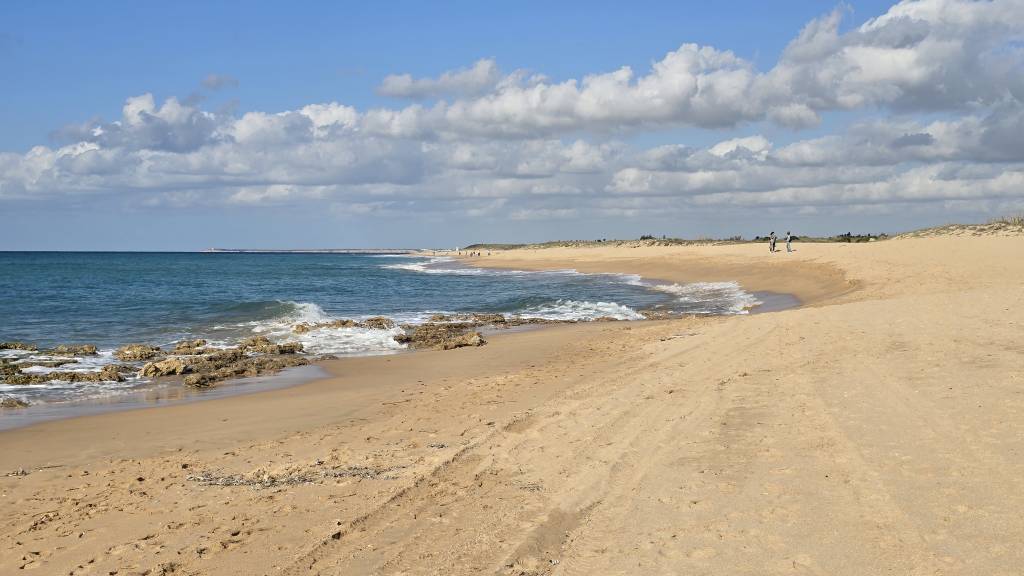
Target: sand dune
[(877, 429)]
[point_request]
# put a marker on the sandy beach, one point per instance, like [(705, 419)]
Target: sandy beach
[(877, 429)]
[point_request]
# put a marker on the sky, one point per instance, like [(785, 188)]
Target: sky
[(155, 126)]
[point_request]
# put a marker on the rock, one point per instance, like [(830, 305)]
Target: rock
[(472, 339), (475, 318), (18, 346), (244, 367), (289, 348), (323, 357), (190, 347), (45, 363), (488, 318), (163, 368), (517, 321), (74, 350), (378, 323), (263, 345), (191, 364), (445, 336), (304, 328), (254, 342), (8, 369), (109, 373), (9, 402), (136, 352)]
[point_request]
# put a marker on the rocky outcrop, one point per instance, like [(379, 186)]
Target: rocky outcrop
[(306, 327), (244, 368), (136, 352), (190, 347), (18, 346), (253, 356), (191, 364), (496, 320), (378, 323), (263, 345), (45, 363), (478, 319), (8, 369), (470, 339), (163, 368), (9, 402), (443, 335), (109, 373), (657, 314), (74, 350)]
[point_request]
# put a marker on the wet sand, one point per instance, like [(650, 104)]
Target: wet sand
[(877, 429)]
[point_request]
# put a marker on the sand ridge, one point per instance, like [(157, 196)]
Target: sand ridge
[(877, 430)]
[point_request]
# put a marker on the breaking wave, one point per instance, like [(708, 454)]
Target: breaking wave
[(709, 297), (345, 341), (580, 311)]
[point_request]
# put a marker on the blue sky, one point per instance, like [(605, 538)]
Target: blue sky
[(67, 64)]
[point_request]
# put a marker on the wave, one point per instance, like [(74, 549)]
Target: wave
[(710, 297), (580, 311), (345, 341), (435, 265)]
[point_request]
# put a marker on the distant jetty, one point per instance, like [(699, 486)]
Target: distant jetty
[(314, 251)]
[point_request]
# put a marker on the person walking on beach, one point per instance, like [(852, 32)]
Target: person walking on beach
[(789, 240), (771, 241)]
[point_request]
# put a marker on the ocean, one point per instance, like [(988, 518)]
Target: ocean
[(113, 299)]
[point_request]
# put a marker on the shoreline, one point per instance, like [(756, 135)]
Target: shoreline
[(812, 282), (156, 394), (705, 445)]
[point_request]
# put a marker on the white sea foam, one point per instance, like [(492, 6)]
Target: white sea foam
[(710, 297), (436, 265), (580, 311), (348, 341)]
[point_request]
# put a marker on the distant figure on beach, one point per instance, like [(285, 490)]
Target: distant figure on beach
[(771, 241), (789, 241)]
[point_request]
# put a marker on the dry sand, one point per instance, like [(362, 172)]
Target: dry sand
[(877, 430)]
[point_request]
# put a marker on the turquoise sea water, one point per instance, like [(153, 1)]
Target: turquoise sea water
[(111, 299)]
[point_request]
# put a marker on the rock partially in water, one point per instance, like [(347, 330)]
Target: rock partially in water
[(254, 342), (489, 318), (263, 345), (246, 367), (443, 335), (378, 323), (74, 350), (109, 373), (163, 368), (475, 318), (190, 347), (334, 324), (655, 314), (517, 321), (45, 363), (136, 352), (9, 402), (18, 346), (191, 364), (8, 368)]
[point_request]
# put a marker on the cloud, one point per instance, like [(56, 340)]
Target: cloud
[(482, 76), (218, 81), (937, 85)]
